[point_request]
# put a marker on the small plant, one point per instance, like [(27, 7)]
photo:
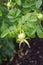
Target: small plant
[(19, 19), (21, 38)]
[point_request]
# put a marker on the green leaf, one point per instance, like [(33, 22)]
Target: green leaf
[(11, 33), (5, 33), (18, 2), (3, 26), (0, 13), (38, 3), (39, 32), (28, 4)]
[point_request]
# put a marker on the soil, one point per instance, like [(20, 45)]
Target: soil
[(28, 56)]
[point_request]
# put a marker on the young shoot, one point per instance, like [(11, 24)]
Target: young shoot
[(40, 16), (22, 38), (8, 4)]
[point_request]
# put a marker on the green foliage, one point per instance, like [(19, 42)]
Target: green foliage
[(18, 16)]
